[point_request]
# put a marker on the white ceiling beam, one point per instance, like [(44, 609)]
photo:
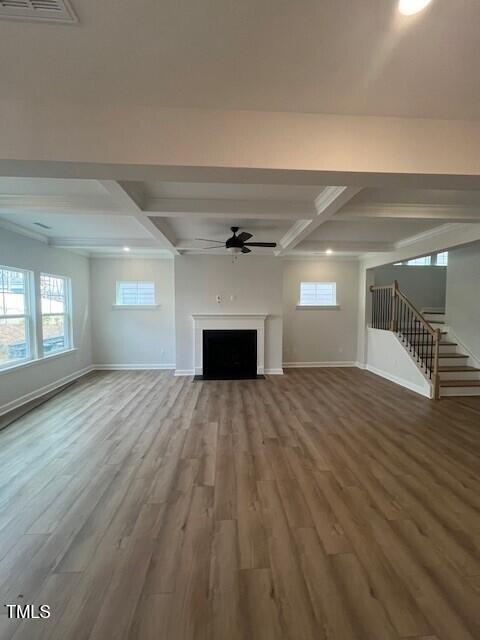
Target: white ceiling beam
[(126, 201), (91, 243), (52, 204), (327, 203), (230, 208), (442, 212), (353, 246)]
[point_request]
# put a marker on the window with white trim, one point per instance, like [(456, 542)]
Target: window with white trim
[(17, 334), (424, 261), (56, 313), (442, 259), (135, 293), (318, 294)]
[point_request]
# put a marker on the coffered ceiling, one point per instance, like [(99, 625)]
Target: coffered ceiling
[(102, 217)]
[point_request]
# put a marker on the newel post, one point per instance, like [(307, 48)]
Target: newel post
[(394, 319), (436, 373)]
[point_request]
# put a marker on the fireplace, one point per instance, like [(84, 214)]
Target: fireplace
[(254, 324), (229, 354)]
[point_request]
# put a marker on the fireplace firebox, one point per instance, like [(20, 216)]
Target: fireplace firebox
[(229, 354)]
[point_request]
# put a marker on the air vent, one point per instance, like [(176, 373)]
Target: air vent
[(37, 10), (40, 224)]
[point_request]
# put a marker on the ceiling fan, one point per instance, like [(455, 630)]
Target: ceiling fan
[(238, 244)]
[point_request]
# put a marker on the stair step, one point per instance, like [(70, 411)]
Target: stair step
[(441, 343), (433, 313), (460, 383), (419, 333), (450, 369), (452, 355)]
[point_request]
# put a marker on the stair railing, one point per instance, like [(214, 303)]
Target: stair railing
[(393, 311)]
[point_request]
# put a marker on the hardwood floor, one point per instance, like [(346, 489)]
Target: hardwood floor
[(324, 504)]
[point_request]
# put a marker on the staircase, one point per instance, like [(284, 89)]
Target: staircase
[(458, 375), (429, 341)]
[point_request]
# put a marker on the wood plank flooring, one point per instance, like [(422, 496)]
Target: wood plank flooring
[(325, 504)]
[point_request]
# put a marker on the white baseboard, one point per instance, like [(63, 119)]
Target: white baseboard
[(184, 372), (132, 367), (318, 365), (400, 381), (38, 393), (273, 372)]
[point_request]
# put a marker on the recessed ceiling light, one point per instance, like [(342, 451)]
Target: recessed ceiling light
[(410, 7), (127, 249), (329, 251)]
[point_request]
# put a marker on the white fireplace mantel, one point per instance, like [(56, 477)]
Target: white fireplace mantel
[(204, 321)]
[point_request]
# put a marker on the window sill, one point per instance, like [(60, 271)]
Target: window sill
[(29, 363), (334, 307), (134, 306)]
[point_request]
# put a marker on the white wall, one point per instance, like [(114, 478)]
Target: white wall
[(423, 286), (463, 296), (365, 281), (388, 358), (254, 282), (320, 336), (26, 253), (448, 238), (133, 336)]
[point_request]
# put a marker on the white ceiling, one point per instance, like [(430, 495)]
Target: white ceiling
[(168, 218), (63, 225), (311, 56), (314, 56), (370, 230)]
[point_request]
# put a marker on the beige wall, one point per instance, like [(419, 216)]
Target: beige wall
[(463, 296), (320, 336), (132, 336), (254, 282), (423, 286)]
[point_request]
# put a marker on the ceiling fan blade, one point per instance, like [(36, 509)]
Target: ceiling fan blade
[(244, 236), (245, 250), (260, 244), (214, 247), (210, 240)]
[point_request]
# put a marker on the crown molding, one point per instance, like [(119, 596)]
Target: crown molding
[(430, 233), (15, 228)]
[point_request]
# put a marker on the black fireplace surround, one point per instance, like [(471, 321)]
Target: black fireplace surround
[(229, 354)]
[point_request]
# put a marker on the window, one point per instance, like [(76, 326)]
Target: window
[(55, 304), (16, 330), (135, 293), (442, 259), (424, 261), (318, 294)]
